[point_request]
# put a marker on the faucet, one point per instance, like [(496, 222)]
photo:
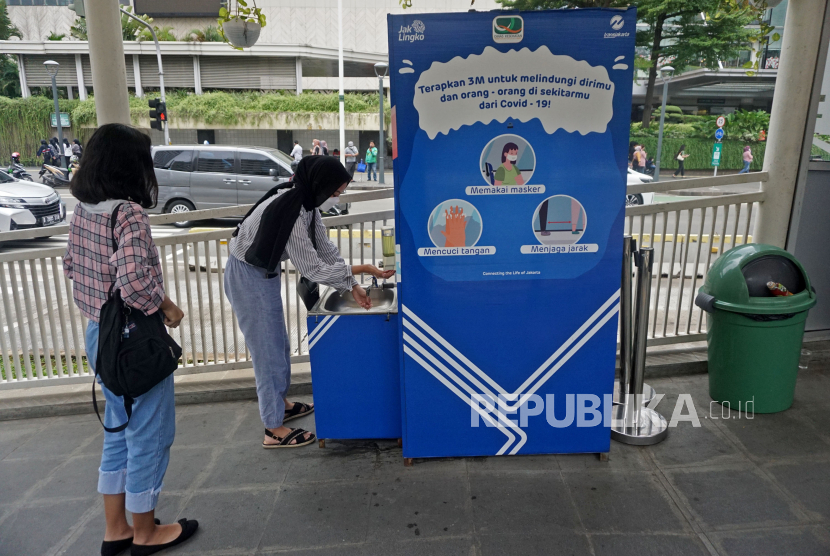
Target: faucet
[(374, 284)]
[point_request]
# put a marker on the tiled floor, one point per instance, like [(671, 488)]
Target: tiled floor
[(731, 487)]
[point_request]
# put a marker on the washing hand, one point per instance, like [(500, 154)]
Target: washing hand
[(362, 297), (455, 234)]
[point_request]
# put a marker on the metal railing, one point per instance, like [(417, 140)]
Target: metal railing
[(42, 340)]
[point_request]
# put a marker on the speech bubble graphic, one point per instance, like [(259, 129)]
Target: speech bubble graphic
[(563, 93)]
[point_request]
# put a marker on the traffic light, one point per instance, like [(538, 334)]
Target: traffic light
[(77, 6), (158, 114)]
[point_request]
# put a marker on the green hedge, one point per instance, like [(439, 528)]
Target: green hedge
[(700, 151)]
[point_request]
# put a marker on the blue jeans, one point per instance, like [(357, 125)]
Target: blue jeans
[(134, 460), (745, 169), (371, 167), (258, 306)]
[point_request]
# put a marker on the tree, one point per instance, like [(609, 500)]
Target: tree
[(677, 33), (9, 77)]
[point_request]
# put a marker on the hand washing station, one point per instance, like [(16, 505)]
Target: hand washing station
[(355, 365)]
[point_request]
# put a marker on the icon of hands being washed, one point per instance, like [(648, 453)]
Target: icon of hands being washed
[(455, 233)]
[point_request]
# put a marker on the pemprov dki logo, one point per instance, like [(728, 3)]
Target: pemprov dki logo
[(412, 32)]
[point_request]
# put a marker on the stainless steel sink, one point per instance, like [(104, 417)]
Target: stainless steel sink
[(332, 303)]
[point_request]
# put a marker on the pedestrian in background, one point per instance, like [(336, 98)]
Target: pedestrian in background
[(351, 153), (44, 152), (638, 161), (681, 157), (371, 161), (67, 150), (57, 153), (117, 177), (297, 151), (316, 149), (77, 149), (324, 147), (747, 160)]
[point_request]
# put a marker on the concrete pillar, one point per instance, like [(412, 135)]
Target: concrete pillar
[(21, 73), (106, 55), (79, 71), (69, 94), (197, 75), (139, 90), (299, 67), (790, 116)]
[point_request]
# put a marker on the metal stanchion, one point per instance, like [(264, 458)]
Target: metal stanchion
[(621, 385), (633, 423)]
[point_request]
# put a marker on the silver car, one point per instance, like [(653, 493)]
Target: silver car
[(196, 177)]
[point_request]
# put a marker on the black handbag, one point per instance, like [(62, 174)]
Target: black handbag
[(135, 351), (308, 290)]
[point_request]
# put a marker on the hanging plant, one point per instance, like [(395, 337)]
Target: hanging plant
[(240, 27)]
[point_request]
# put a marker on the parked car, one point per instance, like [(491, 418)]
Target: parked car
[(196, 177), (634, 199), (24, 204)]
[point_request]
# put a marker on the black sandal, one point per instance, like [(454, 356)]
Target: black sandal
[(285, 442), (300, 409), (189, 527)]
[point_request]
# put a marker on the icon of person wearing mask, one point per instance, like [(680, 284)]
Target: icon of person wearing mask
[(508, 173)]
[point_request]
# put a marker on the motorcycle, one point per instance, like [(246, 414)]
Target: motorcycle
[(55, 176), (17, 170)]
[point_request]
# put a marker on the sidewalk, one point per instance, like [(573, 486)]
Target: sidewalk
[(730, 487)]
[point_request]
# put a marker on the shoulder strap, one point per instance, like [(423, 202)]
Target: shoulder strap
[(113, 221), (128, 408)]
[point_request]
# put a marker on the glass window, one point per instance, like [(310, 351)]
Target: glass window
[(5, 178), (215, 161), (257, 164), (162, 158)]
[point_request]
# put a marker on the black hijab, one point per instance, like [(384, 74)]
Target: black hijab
[(316, 178)]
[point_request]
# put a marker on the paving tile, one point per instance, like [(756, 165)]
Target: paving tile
[(186, 464), (419, 506), (14, 437), (318, 515), (648, 545), (561, 543), (390, 463), (228, 520), (433, 547), (726, 497), (18, 476), (808, 482), (206, 428), (239, 465), (776, 435), (808, 541), (624, 503), (621, 457), (315, 464), (62, 440), (508, 502), (503, 464), (688, 445), (32, 531), (77, 478), (337, 549)]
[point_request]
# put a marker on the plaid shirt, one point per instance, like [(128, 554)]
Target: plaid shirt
[(92, 266)]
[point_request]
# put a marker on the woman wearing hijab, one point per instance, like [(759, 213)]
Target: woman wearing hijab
[(285, 224), (325, 147)]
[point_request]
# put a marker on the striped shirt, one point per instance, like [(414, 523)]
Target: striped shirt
[(325, 265), (92, 266)]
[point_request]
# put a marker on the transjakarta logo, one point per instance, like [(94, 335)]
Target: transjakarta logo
[(617, 23), (508, 29), (412, 32)]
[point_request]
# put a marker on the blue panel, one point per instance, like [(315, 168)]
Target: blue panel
[(511, 143), (356, 377)]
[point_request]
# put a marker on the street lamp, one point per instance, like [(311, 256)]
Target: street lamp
[(665, 73), (52, 69), (380, 70)]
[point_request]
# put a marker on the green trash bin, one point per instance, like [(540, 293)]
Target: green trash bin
[(754, 337)]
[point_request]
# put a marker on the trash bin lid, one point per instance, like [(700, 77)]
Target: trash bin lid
[(738, 281)]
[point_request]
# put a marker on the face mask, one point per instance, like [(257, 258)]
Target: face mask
[(329, 203), (512, 157)]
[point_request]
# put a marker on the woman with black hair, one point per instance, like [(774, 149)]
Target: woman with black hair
[(117, 177), (681, 157), (285, 224)]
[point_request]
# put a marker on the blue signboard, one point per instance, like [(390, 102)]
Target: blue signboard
[(510, 140), (719, 134)]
